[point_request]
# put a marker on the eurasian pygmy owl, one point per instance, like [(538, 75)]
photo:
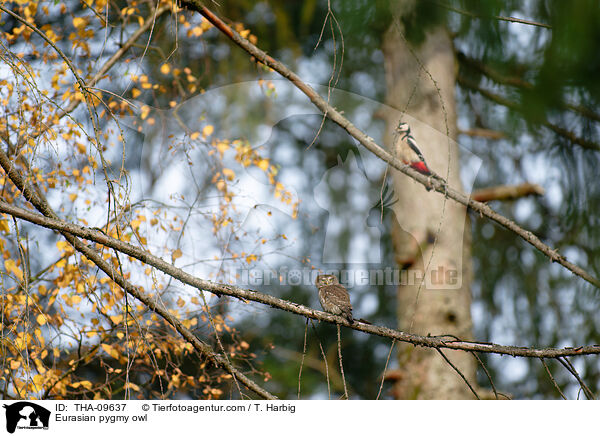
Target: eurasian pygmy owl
[(334, 297)]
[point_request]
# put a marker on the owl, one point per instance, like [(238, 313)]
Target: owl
[(334, 297)]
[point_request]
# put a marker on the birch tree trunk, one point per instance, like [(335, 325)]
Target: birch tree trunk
[(431, 235)]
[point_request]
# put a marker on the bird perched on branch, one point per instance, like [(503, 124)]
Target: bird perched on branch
[(334, 298), (407, 150)]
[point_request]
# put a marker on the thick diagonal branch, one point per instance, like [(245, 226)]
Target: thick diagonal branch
[(248, 294), (368, 142)]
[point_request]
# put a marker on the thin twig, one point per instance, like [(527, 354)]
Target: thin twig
[(552, 379), (459, 372), (324, 359), (496, 17), (339, 344), (489, 377), (303, 356), (387, 361), (586, 390)]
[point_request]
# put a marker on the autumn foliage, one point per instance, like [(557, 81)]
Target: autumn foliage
[(72, 73)]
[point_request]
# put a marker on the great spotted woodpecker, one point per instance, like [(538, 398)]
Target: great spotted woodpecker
[(407, 150)]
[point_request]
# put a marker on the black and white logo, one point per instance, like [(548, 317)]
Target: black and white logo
[(26, 415)]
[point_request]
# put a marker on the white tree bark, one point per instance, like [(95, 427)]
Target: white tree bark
[(431, 235)]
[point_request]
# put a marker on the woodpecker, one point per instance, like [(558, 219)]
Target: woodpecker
[(408, 151)]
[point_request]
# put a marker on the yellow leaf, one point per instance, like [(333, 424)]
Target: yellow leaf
[(72, 197), (11, 267), (108, 349), (135, 92), (145, 112), (180, 302), (4, 226), (38, 382), (79, 22), (165, 68), (116, 318), (133, 386), (15, 364), (41, 319), (176, 254), (229, 174), (222, 147), (195, 136), (39, 366), (263, 164), (40, 338), (208, 130)]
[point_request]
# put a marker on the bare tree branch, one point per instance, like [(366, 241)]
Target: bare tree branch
[(498, 77), (496, 17), (585, 143), (507, 192), (483, 133), (459, 372), (552, 379), (487, 374), (586, 390), (269, 300), (339, 344)]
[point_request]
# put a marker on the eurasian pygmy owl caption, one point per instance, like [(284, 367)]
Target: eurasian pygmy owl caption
[(334, 297)]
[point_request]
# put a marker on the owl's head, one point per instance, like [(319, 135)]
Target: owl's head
[(326, 279)]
